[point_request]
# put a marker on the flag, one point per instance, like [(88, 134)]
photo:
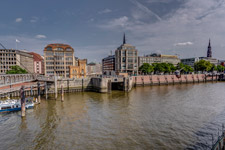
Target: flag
[(17, 41)]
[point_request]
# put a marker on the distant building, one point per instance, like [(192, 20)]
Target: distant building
[(222, 62), (190, 61), (58, 59), (108, 65), (38, 63), (79, 71), (209, 52), (210, 59), (12, 57), (126, 59), (158, 58), (94, 69)]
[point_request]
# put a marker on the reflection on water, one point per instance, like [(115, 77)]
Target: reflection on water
[(157, 117)]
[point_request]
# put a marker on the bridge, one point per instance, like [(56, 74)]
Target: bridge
[(12, 79)]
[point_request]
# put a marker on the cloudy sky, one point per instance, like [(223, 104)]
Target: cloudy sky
[(95, 27)]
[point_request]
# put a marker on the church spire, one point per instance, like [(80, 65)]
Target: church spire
[(209, 52), (124, 39)]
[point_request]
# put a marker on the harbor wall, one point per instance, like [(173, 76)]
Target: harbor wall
[(171, 79)]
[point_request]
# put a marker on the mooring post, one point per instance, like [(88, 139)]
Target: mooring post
[(31, 91), (62, 93), (39, 92), (68, 85), (22, 96), (56, 88), (82, 85), (109, 86), (46, 91)]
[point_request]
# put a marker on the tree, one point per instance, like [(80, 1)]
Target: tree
[(220, 68), (203, 65), (16, 70), (158, 67), (213, 68), (188, 69), (146, 68), (172, 67), (180, 66)]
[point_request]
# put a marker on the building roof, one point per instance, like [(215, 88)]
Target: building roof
[(36, 56), (54, 46)]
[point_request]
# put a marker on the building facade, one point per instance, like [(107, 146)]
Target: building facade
[(108, 65), (158, 58), (58, 59), (38, 63), (190, 61), (126, 59), (79, 71), (94, 69), (12, 57)]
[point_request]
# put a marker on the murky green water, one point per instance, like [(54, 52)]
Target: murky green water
[(158, 117)]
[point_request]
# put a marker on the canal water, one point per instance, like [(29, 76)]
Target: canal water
[(166, 117)]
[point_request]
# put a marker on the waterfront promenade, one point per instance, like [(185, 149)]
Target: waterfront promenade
[(106, 84)]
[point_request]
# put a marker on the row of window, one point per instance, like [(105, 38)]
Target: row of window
[(7, 54), (58, 49)]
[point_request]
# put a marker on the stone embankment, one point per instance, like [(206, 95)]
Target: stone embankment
[(171, 79)]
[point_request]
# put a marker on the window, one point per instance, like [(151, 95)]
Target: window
[(49, 48)]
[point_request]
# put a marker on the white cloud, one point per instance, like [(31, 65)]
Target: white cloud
[(105, 11), (118, 22), (29, 43), (40, 36), (183, 44), (34, 19), (19, 20), (193, 21)]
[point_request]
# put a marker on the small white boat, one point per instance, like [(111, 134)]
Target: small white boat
[(11, 105)]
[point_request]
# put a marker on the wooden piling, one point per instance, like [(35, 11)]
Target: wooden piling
[(22, 96), (62, 93), (56, 88), (46, 91), (39, 92)]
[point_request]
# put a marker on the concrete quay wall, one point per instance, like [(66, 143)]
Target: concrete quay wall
[(171, 79), (79, 85)]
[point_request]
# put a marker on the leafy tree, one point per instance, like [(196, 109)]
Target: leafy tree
[(172, 67), (188, 68), (180, 66), (213, 68), (146, 68), (220, 68), (16, 70), (158, 67), (203, 65)]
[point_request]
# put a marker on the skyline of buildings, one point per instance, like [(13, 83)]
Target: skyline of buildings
[(59, 59)]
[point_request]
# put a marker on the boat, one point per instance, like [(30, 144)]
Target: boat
[(12, 105)]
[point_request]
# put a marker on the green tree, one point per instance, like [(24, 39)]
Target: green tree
[(146, 68), (158, 67), (213, 68), (180, 66), (187, 69), (203, 65), (220, 68), (16, 70), (172, 67)]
